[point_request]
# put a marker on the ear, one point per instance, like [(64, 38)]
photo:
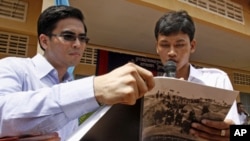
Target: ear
[(44, 39), (193, 46), (156, 47)]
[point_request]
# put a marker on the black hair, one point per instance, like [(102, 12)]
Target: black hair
[(174, 22), (239, 103), (49, 18)]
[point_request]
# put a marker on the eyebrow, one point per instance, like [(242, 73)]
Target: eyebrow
[(70, 32), (180, 40)]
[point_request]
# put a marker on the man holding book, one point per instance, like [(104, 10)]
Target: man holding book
[(174, 33)]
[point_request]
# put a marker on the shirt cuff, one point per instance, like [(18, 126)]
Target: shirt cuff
[(78, 98)]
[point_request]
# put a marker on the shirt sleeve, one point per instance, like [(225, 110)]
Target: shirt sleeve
[(43, 110)]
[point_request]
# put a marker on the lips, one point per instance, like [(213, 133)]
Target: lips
[(75, 53)]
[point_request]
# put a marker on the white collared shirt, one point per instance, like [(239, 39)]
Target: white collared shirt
[(33, 101), (243, 118)]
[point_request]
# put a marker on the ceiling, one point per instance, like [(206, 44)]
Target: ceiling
[(128, 26)]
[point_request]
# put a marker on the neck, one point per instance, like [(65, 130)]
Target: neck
[(61, 74), (61, 69), (183, 72)]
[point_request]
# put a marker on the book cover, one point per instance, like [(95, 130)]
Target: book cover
[(118, 122), (170, 107), (88, 124)]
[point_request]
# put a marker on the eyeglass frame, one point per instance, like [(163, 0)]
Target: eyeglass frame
[(63, 35)]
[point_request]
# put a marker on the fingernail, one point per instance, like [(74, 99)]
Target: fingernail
[(194, 125), (192, 132), (204, 121)]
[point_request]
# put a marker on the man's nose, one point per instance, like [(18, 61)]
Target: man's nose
[(77, 43), (172, 52)]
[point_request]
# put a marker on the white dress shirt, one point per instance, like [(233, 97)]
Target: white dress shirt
[(243, 118), (33, 101), (215, 78)]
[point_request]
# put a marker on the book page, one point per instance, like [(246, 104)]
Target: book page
[(173, 104)]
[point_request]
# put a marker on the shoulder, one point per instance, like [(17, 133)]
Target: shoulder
[(14, 60), (14, 63), (211, 76), (207, 72), (212, 71)]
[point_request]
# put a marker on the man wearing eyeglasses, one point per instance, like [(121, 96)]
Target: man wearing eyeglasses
[(37, 94)]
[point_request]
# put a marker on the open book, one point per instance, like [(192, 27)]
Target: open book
[(171, 106), (163, 114)]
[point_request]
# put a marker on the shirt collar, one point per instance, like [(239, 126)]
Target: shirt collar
[(194, 73), (42, 66)]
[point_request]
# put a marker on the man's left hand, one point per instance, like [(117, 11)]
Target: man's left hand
[(212, 130)]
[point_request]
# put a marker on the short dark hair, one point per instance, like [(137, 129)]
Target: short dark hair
[(174, 22), (49, 18), (239, 103)]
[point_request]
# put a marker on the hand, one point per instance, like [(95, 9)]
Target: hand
[(123, 85), (212, 130)]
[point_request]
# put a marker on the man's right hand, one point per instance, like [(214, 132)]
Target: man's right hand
[(123, 85)]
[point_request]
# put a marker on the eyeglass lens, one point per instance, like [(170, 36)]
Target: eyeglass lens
[(72, 37)]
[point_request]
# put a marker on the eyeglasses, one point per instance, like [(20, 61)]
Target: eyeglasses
[(72, 37)]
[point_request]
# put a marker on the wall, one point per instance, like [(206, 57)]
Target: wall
[(26, 28), (204, 16)]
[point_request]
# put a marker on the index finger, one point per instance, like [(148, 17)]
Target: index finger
[(146, 75), (216, 124)]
